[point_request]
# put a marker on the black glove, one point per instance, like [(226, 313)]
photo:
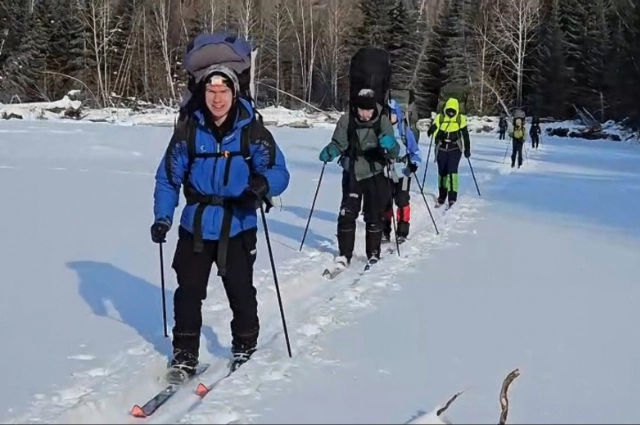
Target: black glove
[(412, 167), (467, 153), (159, 231), (258, 185), (255, 193)]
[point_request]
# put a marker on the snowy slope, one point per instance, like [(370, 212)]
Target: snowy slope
[(535, 274)]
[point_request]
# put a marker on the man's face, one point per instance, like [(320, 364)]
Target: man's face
[(365, 114), (219, 99)]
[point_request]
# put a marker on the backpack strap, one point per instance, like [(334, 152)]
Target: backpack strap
[(183, 130), (186, 129)]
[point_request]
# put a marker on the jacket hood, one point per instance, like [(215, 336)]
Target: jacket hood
[(452, 103)]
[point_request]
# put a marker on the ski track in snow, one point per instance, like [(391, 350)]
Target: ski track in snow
[(104, 393)]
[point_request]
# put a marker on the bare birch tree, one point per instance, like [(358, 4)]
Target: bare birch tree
[(210, 12), (276, 32), (96, 16), (247, 16), (334, 45), (484, 52), (515, 22), (301, 16), (160, 10)]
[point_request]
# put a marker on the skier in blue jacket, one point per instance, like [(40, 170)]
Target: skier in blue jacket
[(400, 176), (223, 190)]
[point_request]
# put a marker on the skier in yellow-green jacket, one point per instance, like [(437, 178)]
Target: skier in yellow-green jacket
[(451, 136)]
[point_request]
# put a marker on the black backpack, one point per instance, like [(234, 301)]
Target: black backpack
[(370, 68)]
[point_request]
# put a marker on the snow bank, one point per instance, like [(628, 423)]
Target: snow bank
[(149, 115), (610, 130), (63, 108), (165, 116), (153, 116)]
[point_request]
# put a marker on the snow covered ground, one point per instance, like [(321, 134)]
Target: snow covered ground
[(540, 273)]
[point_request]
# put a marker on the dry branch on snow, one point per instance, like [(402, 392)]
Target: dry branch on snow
[(436, 416)]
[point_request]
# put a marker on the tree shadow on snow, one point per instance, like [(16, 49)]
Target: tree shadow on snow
[(137, 302)]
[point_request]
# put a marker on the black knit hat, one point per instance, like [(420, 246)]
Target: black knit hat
[(366, 99), (222, 75)]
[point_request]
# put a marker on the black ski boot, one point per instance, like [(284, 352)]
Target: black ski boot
[(386, 231), (242, 352), (403, 231), (183, 365)]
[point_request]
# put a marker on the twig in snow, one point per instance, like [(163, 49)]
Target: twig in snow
[(448, 403), (504, 400)]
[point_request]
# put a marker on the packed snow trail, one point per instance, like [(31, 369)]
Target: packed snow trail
[(99, 287)]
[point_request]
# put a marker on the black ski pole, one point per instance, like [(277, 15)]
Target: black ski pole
[(313, 204), (426, 165), (474, 176), (505, 152), (164, 301), (426, 203), (393, 216), (275, 279)]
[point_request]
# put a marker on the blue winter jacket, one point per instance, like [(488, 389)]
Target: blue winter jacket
[(207, 174), (409, 145)]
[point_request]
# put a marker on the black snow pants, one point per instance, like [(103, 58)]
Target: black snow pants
[(518, 144), (448, 161), (371, 196), (192, 272), (502, 133), (535, 140)]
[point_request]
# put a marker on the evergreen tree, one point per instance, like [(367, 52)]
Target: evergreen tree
[(26, 41), (459, 51), (375, 26), (552, 79), (595, 53), (432, 77), (400, 42)]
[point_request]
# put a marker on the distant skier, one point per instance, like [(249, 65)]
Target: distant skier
[(223, 187), (502, 126), (534, 133), (400, 178), (517, 134), (451, 136)]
